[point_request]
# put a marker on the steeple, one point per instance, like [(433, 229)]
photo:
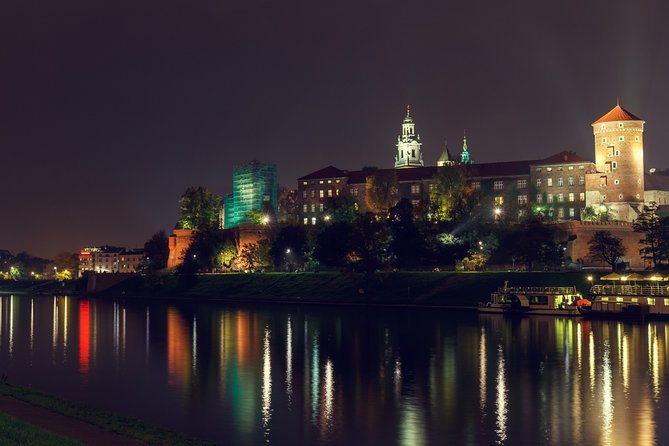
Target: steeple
[(446, 159), (464, 156), (408, 144)]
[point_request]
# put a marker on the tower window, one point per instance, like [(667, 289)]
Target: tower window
[(614, 165), (636, 138), (620, 125), (549, 182), (603, 140), (616, 181), (621, 138), (560, 181), (538, 182), (603, 126), (620, 196), (570, 181), (540, 198), (571, 197)]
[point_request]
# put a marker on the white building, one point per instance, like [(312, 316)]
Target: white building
[(408, 145)]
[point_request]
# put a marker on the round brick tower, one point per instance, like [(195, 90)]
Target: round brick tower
[(619, 161)]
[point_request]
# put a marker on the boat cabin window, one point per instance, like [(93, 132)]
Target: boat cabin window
[(619, 299), (538, 300), (636, 299), (651, 301), (666, 302), (605, 299)]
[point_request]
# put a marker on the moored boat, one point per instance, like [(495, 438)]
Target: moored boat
[(635, 301), (555, 301)]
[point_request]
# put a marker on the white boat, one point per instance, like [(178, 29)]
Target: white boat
[(628, 301), (554, 301)]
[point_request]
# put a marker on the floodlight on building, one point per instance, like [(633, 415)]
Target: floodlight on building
[(265, 220), (497, 211)]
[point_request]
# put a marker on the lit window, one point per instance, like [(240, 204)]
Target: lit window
[(540, 198), (666, 302), (498, 185), (581, 167), (354, 191), (635, 299), (313, 193), (321, 181), (304, 182), (476, 185), (329, 181), (570, 181), (306, 221), (304, 208), (320, 207), (619, 299), (605, 299), (651, 301), (560, 213), (571, 213), (432, 186), (571, 197), (313, 220), (614, 165), (549, 182), (337, 181), (549, 169), (560, 181), (337, 192), (560, 197), (329, 192), (549, 198), (522, 184), (499, 201), (538, 182), (415, 189), (538, 169), (415, 202), (571, 167), (522, 199), (313, 208), (581, 180), (321, 193), (581, 196)]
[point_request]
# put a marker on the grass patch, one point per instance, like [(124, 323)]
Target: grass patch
[(15, 432), (126, 426), (411, 288)]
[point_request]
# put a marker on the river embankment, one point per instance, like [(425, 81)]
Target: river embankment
[(450, 289)]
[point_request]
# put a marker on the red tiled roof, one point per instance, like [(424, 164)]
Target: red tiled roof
[(563, 157), (656, 182), (327, 172), (618, 113)]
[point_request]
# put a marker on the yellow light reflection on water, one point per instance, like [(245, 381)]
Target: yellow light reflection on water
[(328, 394), (289, 361), (11, 326), (266, 408), (607, 397), (653, 359), (483, 377), (412, 423), (32, 323), (502, 402), (591, 354)]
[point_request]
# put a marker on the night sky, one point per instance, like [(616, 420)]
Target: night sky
[(110, 110)]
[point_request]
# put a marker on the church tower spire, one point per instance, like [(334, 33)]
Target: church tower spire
[(408, 144), (464, 156)]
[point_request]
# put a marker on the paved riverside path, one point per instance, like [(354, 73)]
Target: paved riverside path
[(62, 425)]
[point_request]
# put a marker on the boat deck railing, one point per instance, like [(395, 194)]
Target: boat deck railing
[(538, 289), (631, 290)]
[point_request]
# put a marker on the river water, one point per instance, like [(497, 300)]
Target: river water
[(283, 374)]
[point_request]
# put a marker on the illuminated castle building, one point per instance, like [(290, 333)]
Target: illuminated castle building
[(559, 187), (254, 188)]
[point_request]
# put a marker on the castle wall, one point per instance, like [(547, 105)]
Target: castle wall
[(578, 249), (178, 243)]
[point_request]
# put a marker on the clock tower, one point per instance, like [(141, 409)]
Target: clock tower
[(408, 145)]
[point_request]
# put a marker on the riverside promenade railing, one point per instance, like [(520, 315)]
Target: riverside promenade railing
[(631, 290), (538, 289)]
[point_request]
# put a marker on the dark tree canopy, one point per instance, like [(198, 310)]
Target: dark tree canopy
[(606, 247), (655, 232), (156, 250), (199, 208)]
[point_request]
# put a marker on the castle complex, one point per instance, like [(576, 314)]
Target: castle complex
[(560, 187)]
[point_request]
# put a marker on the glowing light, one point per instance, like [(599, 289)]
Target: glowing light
[(289, 361), (607, 396), (329, 392), (266, 409), (483, 376), (502, 402), (265, 220)]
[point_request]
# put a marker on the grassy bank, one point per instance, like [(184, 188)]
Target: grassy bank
[(126, 426), (15, 432), (412, 288)]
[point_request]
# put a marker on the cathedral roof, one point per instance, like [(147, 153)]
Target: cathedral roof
[(563, 157), (327, 172), (446, 156), (617, 113)]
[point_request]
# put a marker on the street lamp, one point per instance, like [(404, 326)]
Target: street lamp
[(287, 250), (326, 218), (265, 219)]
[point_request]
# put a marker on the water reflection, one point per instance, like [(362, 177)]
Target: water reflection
[(291, 375)]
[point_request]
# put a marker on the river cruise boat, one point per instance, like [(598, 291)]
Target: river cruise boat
[(554, 301), (628, 301)]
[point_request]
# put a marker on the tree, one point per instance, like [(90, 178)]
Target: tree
[(406, 244), (381, 191), (227, 256), (655, 237), (288, 206), (199, 208), (254, 256), (256, 217), (333, 245), (341, 208), (535, 242), (370, 240), (66, 261), (606, 247), (451, 198), (156, 251), (289, 245)]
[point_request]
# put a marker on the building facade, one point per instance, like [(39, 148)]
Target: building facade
[(254, 188), (109, 259)]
